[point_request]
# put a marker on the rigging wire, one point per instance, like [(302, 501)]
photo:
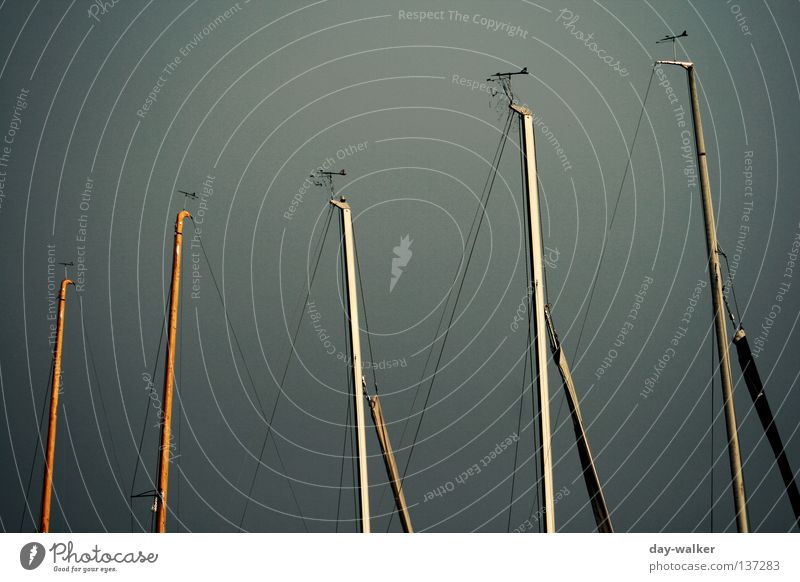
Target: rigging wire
[(364, 305), (103, 406), (283, 376), (613, 216), (353, 463), (298, 311), (341, 470), (139, 460), (36, 446), (478, 219), (519, 428), (444, 310), (252, 381)]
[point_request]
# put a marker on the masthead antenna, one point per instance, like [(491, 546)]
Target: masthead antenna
[(325, 178), (65, 265), (504, 80), (672, 38)]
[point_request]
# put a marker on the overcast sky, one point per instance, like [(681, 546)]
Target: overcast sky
[(108, 109)]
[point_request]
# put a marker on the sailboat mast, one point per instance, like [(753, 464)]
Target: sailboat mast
[(537, 284), (47, 488), (715, 277), (169, 378), (355, 350)]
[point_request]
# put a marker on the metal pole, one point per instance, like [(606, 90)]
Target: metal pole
[(355, 346), (534, 231), (715, 278), (47, 489), (169, 378)]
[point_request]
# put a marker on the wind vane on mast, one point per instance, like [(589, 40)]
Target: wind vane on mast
[(65, 265), (322, 177), (672, 38), (504, 80), (537, 286)]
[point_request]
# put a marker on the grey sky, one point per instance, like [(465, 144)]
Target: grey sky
[(110, 110)]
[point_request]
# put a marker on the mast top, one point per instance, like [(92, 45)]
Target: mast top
[(504, 80), (688, 65), (323, 177), (521, 109), (498, 76), (64, 284), (341, 203), (182, 215)]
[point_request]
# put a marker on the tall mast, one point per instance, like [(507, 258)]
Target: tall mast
[(715, 278), (537, 287), (355, 350), (169, 378), (540, 339), (47, 488)]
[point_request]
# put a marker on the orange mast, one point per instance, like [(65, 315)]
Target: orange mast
[(47, 489), (169, 378)]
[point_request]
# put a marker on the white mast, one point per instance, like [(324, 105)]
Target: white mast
[(537, 284), (715, 276), (355, 350)]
